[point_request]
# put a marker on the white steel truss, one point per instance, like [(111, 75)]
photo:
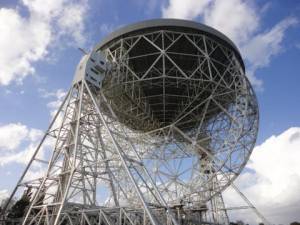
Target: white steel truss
[(172, 125)]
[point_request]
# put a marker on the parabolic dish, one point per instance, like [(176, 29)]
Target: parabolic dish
[(180, 87)]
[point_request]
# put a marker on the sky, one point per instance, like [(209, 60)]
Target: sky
[(39, 42)]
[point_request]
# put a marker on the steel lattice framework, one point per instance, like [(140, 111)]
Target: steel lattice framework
[(156, 140), (187, 94)]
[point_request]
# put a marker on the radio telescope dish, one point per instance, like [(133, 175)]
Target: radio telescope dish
[(180, 89), (159, 120)]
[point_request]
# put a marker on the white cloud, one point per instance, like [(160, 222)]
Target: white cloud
[(259, 50), (106, 28), (14, 136), (266, 7), (235, 18), (72, 21), (21, 157), (241, 21), (189, 9), (11, 136), (28, 45), (276, 163), (274, 179), (26, 40)]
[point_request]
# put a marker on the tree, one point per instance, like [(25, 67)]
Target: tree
[(18, 209), (295, 223), (4, 201), (240, 222)]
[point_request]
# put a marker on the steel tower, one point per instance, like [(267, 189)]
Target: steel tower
[(159, 120)]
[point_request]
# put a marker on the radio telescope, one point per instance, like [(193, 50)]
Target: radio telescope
[(159, 120)]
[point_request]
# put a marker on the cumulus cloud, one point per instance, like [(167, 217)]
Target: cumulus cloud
[(26, 40), (22, 141), (11, 135), (15, 136), (72, 22), (276, 163), (240, 20), (262, 47), (259, 50), (29, 44), (241, 23), (272, 179), (189, 9)]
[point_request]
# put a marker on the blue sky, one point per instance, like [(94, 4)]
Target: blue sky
[(38, 56)]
